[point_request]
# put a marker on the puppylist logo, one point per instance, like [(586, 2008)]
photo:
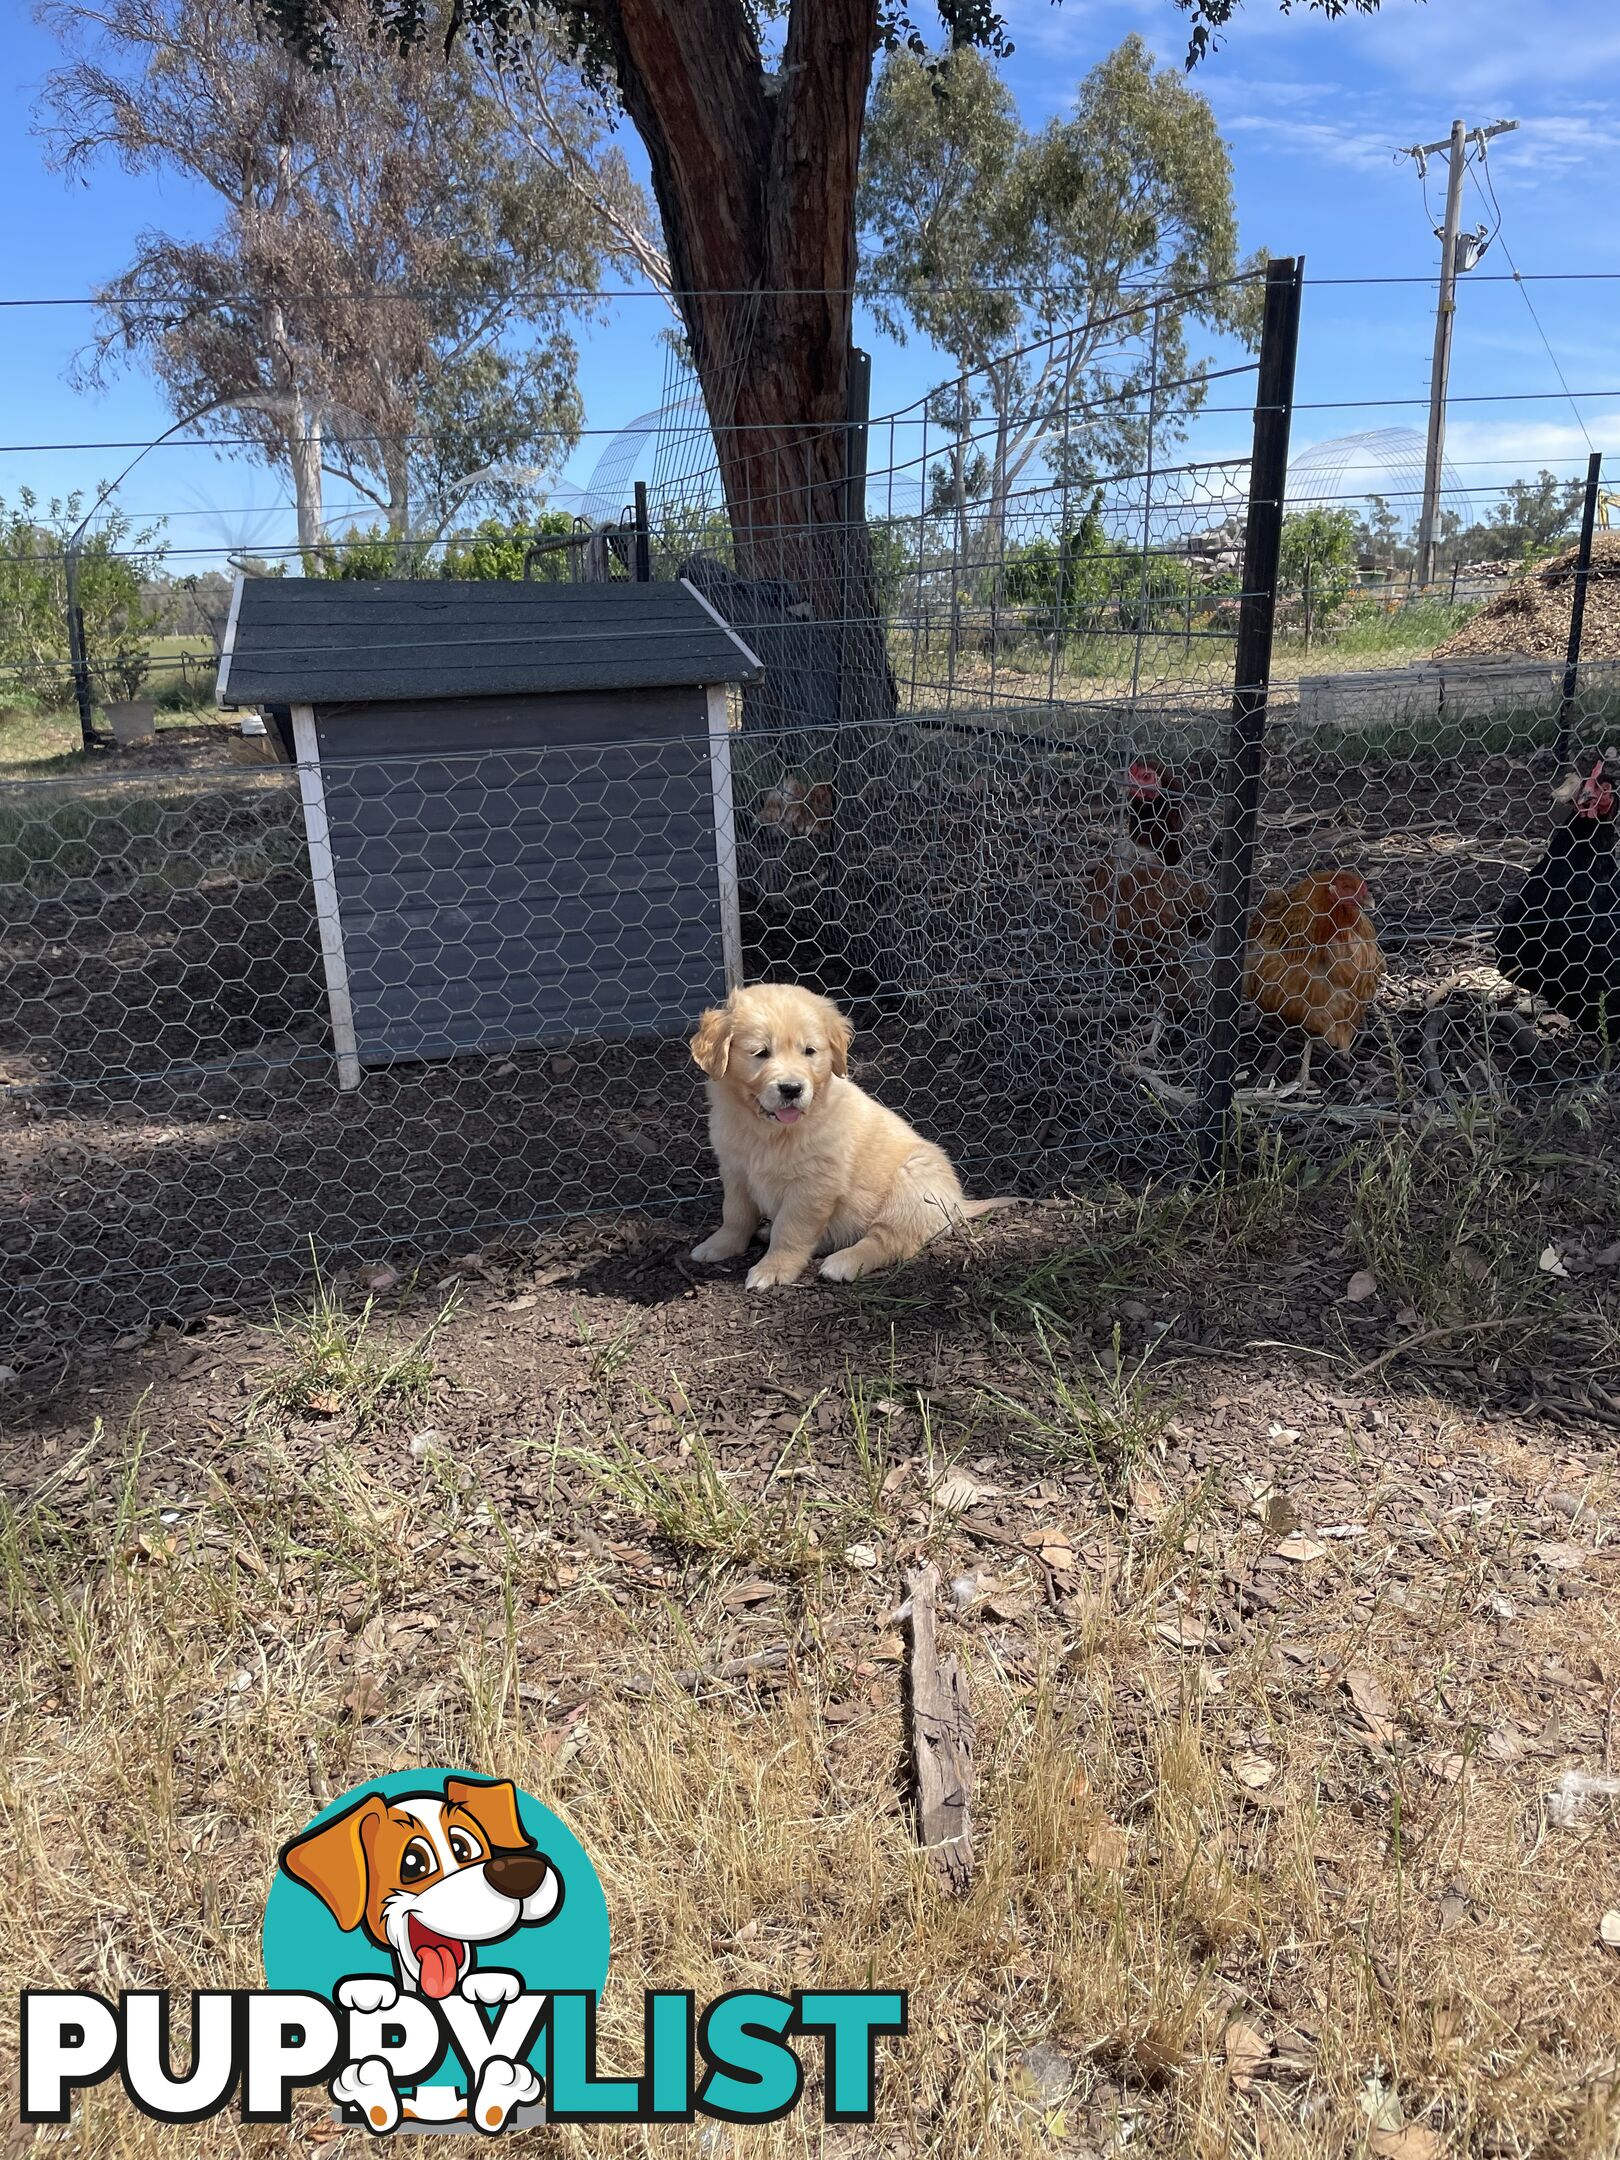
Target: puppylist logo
[(434, 1947)]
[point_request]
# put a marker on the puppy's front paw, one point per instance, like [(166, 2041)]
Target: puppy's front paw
[(366, 2085), (502, 2086), (490, 1987), (367, 1991), (773, 1274), (842, 1266), (724, 1245)]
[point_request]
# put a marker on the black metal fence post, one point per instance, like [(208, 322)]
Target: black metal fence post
[(1246, 741), (857, 418), (643, 563), (1577, 610), (77, 656)]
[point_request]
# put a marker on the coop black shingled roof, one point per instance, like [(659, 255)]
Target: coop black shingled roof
[(321, 641)]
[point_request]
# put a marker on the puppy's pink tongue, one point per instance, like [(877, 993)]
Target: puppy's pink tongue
[(440, 1964), (784, 1116)]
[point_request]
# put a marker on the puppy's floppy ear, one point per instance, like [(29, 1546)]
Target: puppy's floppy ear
[(711, 1045), (493, 1807), (839, 1036), (332, 1860)]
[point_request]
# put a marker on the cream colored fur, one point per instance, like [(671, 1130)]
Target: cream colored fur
[(802, 1146)]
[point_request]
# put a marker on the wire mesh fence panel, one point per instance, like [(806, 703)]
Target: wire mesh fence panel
[(526, 937), (177, 1129), (1008, 780), (1445, 790)]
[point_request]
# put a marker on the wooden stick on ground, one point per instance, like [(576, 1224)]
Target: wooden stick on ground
[(941, 1744)]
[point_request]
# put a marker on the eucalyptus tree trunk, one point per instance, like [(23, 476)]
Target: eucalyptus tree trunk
[(755, 176)]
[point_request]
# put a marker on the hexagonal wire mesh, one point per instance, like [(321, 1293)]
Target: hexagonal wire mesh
[(984, 799)]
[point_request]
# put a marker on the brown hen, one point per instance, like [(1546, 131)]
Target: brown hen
[(1313, 960)]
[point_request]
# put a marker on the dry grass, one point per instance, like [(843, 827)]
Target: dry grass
[(337, 1364), (1184, 1826)]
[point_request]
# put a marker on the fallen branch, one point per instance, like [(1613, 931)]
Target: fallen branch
[(1426, 1335), (770, 1659), (990, 1535), (941, 1744)]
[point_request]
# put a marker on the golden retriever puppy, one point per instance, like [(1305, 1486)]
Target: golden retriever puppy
[(801, 1144)]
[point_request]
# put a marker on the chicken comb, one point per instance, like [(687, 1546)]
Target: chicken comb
[(1582, 795), (1143, 779)]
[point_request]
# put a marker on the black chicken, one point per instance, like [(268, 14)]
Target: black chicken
[(1155, 810), (1560, 933)]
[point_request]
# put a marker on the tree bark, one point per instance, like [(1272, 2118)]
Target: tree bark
[(301, 432), (304, 463), (755, 177)]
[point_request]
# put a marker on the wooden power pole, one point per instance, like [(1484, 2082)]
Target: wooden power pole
[(1458, 251)]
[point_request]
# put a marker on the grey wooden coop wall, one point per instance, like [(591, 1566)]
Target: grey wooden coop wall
[(517, 799), (560, 871)]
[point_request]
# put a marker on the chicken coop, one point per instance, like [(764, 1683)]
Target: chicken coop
[(516, 802)]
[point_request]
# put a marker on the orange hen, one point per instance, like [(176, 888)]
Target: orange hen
[(1313, 960)]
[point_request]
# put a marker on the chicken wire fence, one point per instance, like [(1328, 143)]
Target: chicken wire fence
[(1016, 881)]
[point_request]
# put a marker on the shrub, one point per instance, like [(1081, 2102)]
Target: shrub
[(115, 561)]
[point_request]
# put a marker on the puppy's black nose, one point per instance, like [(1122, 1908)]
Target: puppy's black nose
[(790, 1090), (515, 1874)]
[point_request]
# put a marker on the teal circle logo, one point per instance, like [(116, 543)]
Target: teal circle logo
[(426, 1877)]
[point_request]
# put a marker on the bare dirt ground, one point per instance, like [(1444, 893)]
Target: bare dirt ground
[(1280, 1525)]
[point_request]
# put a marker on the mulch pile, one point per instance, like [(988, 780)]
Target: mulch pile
[(1530, 619)]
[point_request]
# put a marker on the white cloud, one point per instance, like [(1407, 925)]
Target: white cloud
[(1520, 443), (1319, 139)]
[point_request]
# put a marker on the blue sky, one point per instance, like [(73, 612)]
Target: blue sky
[(1312, 111)]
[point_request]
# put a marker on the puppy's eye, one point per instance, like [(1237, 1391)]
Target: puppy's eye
[(809, 1049), (417, 1862), (465, 1847), (762, 1053)]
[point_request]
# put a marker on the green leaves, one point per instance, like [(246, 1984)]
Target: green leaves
[(1211, 17), (987, 238), (116, 562)]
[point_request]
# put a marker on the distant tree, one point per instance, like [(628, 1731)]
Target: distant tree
[(1070, 581), (1318, 560), (496, 550), (118, 566), (196, 604), (1531, 517), (1379, 533), (381, 301), (986, 239), (539, 88), (367, 553)]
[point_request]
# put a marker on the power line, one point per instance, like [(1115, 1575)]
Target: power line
[(1481, 397), (752, 293), (1490, 186)]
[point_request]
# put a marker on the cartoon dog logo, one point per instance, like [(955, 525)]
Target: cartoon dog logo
[(430, 1877)]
